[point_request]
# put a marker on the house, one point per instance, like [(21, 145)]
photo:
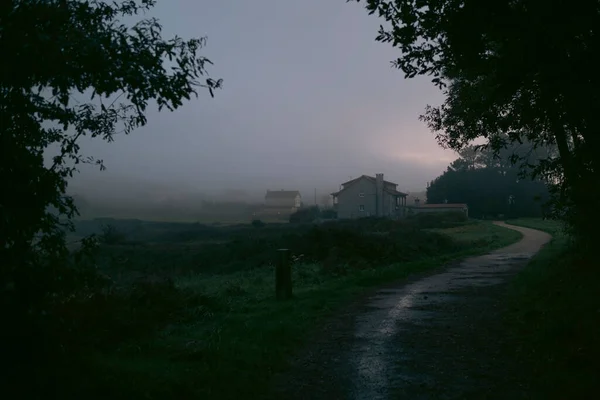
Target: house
[(443, 207), (366, 196), (283, 199)]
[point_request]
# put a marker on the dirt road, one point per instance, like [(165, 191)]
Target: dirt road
[(437, 337)]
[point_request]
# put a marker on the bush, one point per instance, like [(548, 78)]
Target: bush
[(369, 242), (429, 220), (111, 235), (329, 214), (257, 223), (305, 215)]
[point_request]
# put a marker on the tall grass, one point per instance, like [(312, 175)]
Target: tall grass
[(554, 318), (221, 334)]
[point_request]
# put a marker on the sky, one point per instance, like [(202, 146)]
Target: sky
[(309, 100)]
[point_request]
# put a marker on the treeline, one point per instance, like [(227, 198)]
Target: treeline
[(202, 210), (493, 185)]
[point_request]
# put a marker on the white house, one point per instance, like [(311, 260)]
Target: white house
[(287, 199)]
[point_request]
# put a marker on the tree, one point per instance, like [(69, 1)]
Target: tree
[(487, 182), (485, 179), (516, 69), (56, 54)]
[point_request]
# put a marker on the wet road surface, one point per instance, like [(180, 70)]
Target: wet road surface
[(375, 355), (434, 338)]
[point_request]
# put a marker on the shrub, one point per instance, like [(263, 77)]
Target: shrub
[(305, 215), (111, 235), (257, 223), (329, 214), (334, 264), (429, 220)]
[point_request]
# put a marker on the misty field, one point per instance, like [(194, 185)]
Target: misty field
[(191, 309)]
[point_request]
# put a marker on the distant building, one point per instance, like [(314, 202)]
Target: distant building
[(280, 204), (368, 196), (283, 199), (444, 207)]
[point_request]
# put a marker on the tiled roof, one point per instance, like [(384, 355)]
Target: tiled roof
[(386, 187), (395, 192), (369, 178), (282, 194)]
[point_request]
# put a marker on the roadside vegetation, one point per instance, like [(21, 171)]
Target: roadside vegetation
[(554, 317), (186, 312), (550, 128), (501, 190), (189, 307)]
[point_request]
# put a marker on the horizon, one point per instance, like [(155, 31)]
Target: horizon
[(292, 114)]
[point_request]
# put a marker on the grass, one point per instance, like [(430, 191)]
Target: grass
[(554, 318), (555, 228), (485, 234), (233, 336)]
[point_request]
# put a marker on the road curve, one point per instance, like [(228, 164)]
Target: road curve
[(375, 354), (426, 339)]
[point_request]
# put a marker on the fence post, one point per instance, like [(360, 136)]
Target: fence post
[(283, 275)]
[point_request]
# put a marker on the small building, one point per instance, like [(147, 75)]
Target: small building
[(283, 199), (368, 196), (443, 207)]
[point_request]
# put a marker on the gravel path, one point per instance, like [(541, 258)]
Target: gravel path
[(435, 337)]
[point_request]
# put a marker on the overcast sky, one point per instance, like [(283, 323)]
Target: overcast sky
[(309, 100)]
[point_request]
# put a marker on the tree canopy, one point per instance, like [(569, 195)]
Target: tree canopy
[(70, 68), (490, 184), (522, 68)]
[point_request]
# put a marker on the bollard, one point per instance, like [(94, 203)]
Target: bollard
[(283, 275)]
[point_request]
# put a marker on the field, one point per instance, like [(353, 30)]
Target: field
[(554, 318), (192, 310)]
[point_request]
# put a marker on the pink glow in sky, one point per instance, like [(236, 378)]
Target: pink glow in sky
[(309, 99)]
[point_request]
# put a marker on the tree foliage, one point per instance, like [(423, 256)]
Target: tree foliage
[(71, 68), (491, 184), (521, 68)]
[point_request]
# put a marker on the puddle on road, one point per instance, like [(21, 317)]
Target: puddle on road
[(390, 310)]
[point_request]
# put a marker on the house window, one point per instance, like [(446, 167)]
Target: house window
[(361, 208), (361, 194)]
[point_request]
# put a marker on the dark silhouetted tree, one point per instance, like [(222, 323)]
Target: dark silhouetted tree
[(485, 179), (521, 69), (70, 69)]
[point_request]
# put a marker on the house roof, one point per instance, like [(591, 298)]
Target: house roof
[(369, 178), (395, 192), (386, 186), (444, 205), (282, 194)]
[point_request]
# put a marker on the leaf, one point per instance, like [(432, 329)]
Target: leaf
[(58, 51)]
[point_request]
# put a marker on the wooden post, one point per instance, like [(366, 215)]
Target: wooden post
[(283, 275)]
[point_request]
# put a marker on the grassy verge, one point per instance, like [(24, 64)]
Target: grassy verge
[(555, 228), (233, 335), (484, 234), (554, 318)]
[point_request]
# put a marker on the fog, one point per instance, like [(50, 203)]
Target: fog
[(309, 101)]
